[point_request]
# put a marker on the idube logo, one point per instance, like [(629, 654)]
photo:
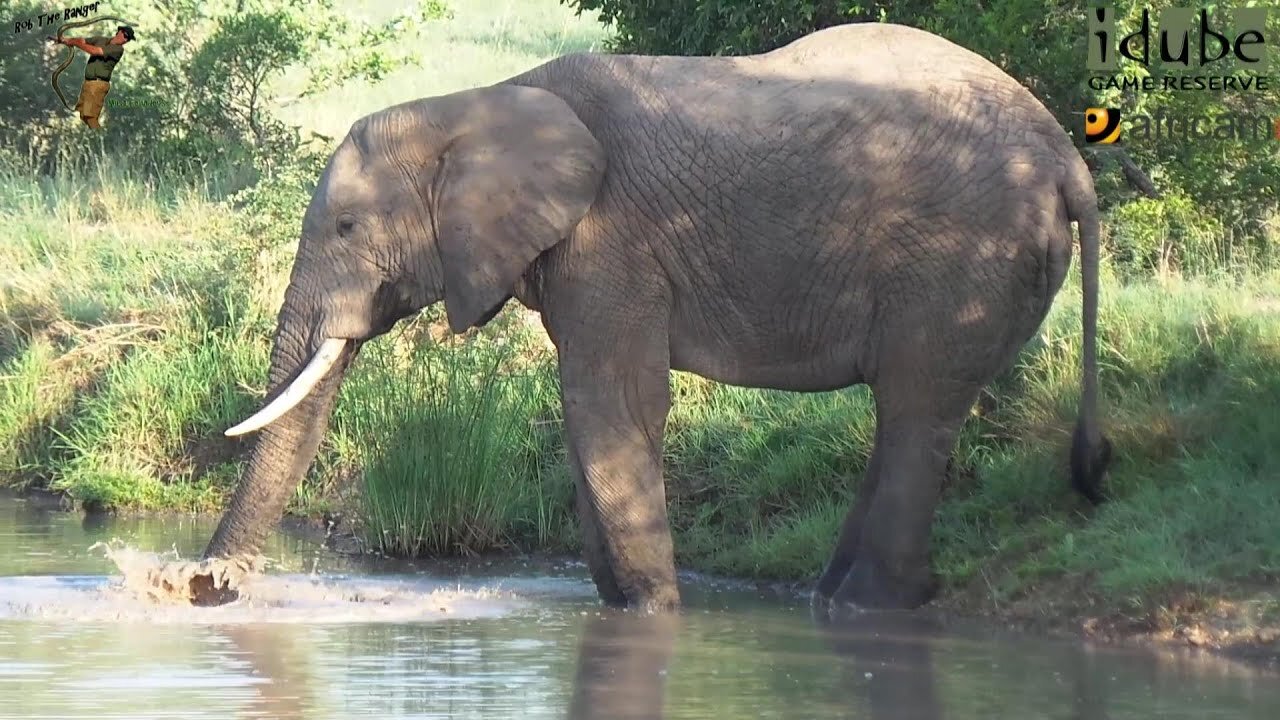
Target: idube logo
[(1203, 48)]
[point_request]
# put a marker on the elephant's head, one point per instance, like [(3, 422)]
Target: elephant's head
[(449, 198)]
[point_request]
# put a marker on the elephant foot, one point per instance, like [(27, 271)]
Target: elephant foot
[(658, 600), (869, 586), (608, 592), (661, 601)]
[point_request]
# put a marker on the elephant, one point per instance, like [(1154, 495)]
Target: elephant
[(870, 204)]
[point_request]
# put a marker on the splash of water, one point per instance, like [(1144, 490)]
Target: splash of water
[(167, 578), (157, 588)]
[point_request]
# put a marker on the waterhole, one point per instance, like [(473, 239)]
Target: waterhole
[(84, 633)]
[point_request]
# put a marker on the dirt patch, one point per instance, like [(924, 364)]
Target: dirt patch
[(1244, 626), (1245, 629), (1241, 622)]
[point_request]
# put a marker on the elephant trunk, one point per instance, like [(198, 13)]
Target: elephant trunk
[(303, 380)]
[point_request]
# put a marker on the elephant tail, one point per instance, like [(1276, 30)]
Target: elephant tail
[(1090, 449)]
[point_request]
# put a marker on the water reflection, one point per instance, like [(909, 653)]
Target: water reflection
[(888, 661), (1089, 686), (95, 523), (622, 665), (276, 658)]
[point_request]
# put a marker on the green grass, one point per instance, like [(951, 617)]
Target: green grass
[(452, 447), (135, 315), (483, 42)]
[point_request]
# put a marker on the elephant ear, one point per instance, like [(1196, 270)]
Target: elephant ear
[(514, 184)]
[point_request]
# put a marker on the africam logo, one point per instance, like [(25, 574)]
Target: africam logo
[(1102, 126)]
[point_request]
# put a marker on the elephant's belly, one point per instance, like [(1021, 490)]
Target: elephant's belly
[(752, 365)]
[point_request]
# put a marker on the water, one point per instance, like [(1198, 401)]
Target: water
[(525, 641)]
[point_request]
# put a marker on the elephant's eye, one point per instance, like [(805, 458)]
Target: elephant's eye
[(345, 226)]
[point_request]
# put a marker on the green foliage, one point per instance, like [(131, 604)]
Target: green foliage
[(711, 27), (199, 94), (229, 74), (1149, 235), (26, 61), (451, 449)]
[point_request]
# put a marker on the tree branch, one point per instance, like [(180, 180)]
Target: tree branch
[(1135, 176)]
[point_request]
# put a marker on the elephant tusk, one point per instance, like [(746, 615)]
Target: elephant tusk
[(324, 359)]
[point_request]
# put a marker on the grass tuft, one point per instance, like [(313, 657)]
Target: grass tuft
[(450, 443)]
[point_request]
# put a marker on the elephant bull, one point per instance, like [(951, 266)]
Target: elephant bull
[(869, 204)]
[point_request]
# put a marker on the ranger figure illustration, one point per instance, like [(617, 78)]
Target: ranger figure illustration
[(104, 53)]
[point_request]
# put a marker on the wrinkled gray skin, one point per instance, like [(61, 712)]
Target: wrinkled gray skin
[(869, 204)]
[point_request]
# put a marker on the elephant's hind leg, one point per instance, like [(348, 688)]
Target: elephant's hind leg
[(616, 400), (846, 550), (917, 424)]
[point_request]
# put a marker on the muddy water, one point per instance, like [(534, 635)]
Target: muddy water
[(335, 639)]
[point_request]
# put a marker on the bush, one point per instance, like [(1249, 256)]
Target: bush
[(198, 96), (1167, 234)]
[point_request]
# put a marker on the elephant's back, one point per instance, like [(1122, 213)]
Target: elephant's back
[(915, 68), (859, 77), (876, 53), (855, 110)]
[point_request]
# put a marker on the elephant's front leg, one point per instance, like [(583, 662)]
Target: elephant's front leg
[(593, 547), (616, 397)]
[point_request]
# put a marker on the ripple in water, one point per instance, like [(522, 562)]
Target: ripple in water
[(154, 587)]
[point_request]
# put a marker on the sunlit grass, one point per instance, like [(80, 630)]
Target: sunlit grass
[(483, 42)]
